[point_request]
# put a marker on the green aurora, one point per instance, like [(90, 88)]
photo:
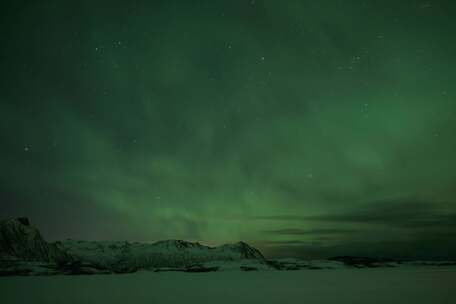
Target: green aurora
[(306, 128)]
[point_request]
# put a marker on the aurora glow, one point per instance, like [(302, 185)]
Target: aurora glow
[(306, 128)]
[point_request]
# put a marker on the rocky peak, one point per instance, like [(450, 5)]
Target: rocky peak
[(244, 250), (20, 240)]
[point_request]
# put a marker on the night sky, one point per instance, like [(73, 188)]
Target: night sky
[(305, 128)]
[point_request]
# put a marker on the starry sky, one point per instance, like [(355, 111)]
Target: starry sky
[(306, 128)]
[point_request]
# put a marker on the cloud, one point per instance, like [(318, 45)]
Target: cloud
[(404, 213), (298, 231), (412, 249), (401, 228)]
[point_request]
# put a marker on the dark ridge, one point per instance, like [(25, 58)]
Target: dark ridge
[(248, 268), (360, 261), (192, 268), (24, 221)]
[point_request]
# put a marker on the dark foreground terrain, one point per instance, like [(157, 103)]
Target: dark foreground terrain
[(414, 285)]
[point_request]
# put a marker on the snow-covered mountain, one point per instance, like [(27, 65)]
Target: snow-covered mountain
[(20, 242), (125, 256), (23, 251)]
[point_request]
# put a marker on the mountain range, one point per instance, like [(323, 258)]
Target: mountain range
[(24, 251)]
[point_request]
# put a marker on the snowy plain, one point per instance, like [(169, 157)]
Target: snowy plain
[(436, 285)]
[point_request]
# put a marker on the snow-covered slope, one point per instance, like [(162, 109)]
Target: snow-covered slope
[(21, 246), (126, 257)]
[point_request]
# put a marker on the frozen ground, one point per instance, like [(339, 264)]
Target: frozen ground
[(412, 285)]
